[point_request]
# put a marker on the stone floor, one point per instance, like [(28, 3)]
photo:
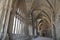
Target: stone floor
[(42, 38), (19, 37)]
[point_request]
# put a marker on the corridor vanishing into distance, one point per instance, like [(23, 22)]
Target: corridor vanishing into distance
[(29, 19)]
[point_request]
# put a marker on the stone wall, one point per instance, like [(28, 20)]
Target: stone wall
[(57, 19)]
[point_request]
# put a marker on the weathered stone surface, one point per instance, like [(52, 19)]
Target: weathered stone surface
[(42, 38), (19, 37), (41, 4), (57, 19)]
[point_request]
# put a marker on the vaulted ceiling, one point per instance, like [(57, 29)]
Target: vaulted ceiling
[(41, 9), (45, 7)]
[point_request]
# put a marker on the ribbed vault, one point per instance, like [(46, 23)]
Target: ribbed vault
[(36, 14), (43, 10)]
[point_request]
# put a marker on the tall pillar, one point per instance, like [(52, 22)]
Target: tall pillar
[(3, 11), (4, 16)]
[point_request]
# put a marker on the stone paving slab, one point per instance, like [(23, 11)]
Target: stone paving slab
[(42, 38)]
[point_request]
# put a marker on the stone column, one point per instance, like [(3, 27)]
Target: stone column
[(3, 11), (4, 16)]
